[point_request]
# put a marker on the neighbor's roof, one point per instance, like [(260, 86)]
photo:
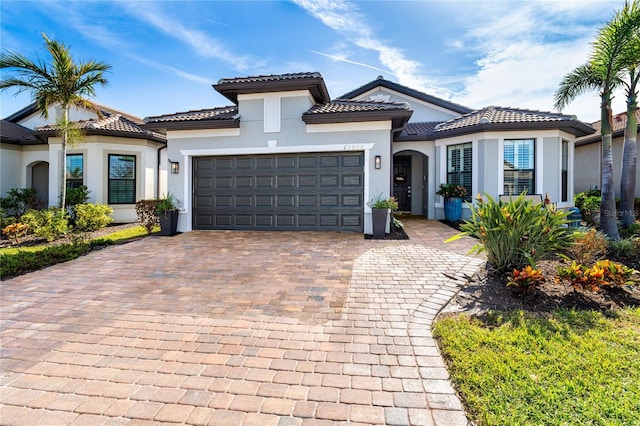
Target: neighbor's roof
[(381, 82), (16, 134), (501, 118), (105, 110), (347, 110), (619, 124), (211, 118), (110, 125), (312, 81)]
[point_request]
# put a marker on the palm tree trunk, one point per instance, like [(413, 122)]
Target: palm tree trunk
[(629, 165), (63, 168), (608, 215)]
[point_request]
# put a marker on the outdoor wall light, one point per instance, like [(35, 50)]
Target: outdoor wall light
[(175, 167), (378, 162)]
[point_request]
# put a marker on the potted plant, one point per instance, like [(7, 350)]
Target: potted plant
[(167, 209), (380, 207), (453, 195)]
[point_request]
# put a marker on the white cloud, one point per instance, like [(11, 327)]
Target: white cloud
[(343, 58), (526, 51), (341, 15), (199, 41)]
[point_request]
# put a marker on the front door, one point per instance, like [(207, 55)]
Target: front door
[(402, 181)]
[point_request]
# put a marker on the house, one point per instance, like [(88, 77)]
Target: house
[(118, 159), (588, 157), (285, 156)]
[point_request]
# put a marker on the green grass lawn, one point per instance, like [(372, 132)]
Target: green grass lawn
[(17, 261), (576, 368)]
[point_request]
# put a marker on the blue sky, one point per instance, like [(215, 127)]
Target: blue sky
[(166, 54)]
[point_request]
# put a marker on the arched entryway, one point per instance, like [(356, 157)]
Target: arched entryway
[(40, 180), (410, 182)]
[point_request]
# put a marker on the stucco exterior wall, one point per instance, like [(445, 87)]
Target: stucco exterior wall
[(96, 150), (588, 163), (10, 161), (372, 138), (588, 160), (488, 164)]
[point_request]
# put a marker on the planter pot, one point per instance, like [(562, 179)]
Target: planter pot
[(379, 222), (453, 209), (169, 223)]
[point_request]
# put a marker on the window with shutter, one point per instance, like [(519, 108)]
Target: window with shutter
[(519, 166), (459, 165)]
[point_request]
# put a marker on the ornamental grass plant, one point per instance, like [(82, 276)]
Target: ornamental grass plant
[(517, 233)]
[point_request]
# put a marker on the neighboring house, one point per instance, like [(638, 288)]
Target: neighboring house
[(117, 159), (285, 156), (588, 157)]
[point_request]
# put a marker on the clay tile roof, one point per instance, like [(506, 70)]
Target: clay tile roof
[(348, 105), (271, 77), (110, 124), (495, 118), (311, 81), (17, 134), (619, 124), (347, 110), (500, 115), (222, 113), (418, 131)]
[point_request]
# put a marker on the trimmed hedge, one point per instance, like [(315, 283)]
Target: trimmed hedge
[(12, 265)]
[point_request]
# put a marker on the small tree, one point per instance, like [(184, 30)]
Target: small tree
[(61, 81), (603, 72)]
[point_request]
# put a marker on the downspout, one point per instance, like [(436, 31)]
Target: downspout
[(158, 170)]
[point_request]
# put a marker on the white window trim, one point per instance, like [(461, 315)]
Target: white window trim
[(444, 167), (537, 162)]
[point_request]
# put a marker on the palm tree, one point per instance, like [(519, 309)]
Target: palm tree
[(631, 58), (630, 154), (59, 82), (603, 73)]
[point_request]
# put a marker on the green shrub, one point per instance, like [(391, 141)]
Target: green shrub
[(6, 221), (516, 233), (632, 230), (18, 201), (49, 224), (623, 249), (588, 246), (589, 204), (77, 195), (147, 213), (92, 217), (19, 263)]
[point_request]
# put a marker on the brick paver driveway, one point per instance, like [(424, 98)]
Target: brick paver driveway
[(235, 328)]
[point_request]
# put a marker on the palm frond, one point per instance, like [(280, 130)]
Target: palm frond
[(581, 80)]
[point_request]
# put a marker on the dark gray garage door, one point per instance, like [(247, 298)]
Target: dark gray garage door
[(319, 191)]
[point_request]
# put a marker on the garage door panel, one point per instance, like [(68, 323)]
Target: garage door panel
[(265, 162), (287, 191), (352, 181), (329, 181), (245, 163), (352, 160), (243, 182), (222, 182)]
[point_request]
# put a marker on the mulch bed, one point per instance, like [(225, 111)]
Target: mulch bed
[(487, 291)]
